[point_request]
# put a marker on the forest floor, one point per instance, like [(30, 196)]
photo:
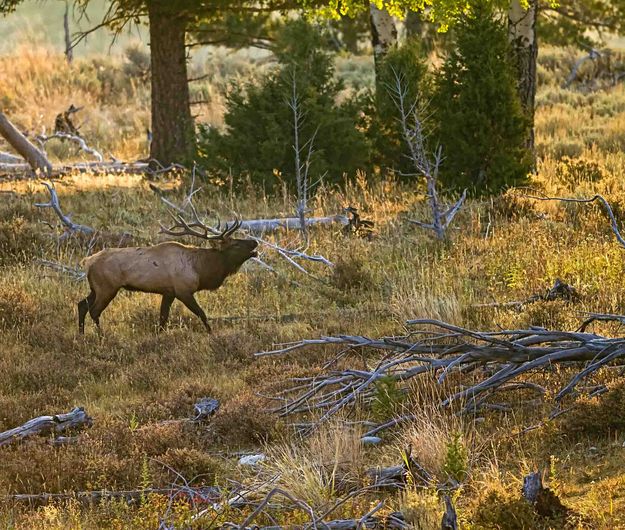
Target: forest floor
[(139, 386)]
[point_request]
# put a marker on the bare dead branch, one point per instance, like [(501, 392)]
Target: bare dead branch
[(597, 197), (424, 163), (277, 491), (82, 144), (593, 55), (66, 221), (74, 273), (441, 349)]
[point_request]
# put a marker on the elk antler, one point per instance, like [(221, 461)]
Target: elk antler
[(199, 229)]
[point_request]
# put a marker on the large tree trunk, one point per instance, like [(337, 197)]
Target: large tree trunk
[(383, 34), (172, 124), (522, 32), (69, 52), (35, 158)]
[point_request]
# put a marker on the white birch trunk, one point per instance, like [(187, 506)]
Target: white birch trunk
[(522, 34), (383, 33)]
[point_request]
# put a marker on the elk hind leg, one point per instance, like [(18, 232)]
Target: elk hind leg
[(165, 307), (83, 309), (191, 303), (101, 302)]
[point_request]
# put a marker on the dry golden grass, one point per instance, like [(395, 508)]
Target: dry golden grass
[(134, 381)]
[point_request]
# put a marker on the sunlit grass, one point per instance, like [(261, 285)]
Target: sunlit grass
[(137, 384)]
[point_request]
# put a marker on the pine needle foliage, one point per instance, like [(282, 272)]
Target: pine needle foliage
[(480, 121)]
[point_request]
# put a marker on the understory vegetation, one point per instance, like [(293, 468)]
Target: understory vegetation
[(140, 386)]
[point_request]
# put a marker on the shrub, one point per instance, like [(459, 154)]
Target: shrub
[(456, 459), (16, 307), (597, 416), (388, 397), (20, 241), (479, 118), (258, 140), (574, 171), (422, 509)]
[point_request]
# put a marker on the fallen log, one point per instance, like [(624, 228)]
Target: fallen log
[(93, 497), (397, 476), (44, 425), (260, 226), (7, 158), (35, 158)]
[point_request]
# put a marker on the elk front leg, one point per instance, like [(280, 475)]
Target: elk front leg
[(191, 303)]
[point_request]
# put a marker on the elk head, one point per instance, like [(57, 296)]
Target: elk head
[(235, 251)]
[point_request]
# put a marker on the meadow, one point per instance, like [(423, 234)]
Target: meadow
[(139, 386)]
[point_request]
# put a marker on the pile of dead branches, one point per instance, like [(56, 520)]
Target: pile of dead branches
[(496, 361)]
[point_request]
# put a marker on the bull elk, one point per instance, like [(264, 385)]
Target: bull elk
[(171, 269)]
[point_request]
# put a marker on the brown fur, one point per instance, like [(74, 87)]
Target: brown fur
[(170, 269)]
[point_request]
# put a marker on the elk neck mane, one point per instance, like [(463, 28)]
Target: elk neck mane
[(215, 265)]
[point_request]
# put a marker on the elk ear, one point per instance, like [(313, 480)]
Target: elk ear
[(220, 244)]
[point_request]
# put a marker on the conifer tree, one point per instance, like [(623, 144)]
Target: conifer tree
[(479, 117)]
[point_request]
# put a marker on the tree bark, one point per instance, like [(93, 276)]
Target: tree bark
[(172, 125), (383, 35), (69, 52), (522, 33), (35, 158)]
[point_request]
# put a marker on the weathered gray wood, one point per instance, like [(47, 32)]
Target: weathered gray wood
[(532, 486), (444, 348), (395, 476), (54, 203), (35, 158), (205, 408), (289, 223), (77, 418), (8, 158), (88, 497), (450, 519)]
